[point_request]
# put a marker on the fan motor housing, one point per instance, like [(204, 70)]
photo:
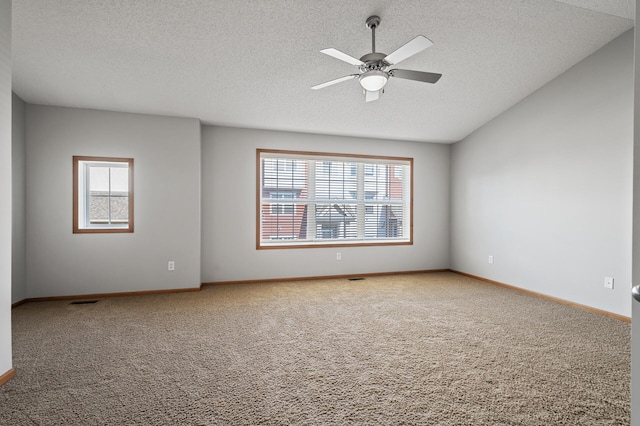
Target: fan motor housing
[(373, 61)]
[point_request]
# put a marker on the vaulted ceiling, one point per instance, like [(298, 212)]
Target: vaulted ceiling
[(251, 63)]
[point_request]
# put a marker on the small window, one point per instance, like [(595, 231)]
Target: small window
[(102, 195)]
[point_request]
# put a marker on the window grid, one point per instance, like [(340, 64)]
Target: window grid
[(106, 206)]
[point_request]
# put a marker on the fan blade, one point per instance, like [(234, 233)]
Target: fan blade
[(342, 56), (371, 96), (336, 81), (425, 77), (416, 45)]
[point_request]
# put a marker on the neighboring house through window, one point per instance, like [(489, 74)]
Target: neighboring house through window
[(321, 199)]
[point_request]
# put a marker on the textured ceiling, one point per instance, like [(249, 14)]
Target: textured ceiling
[(251, 63)]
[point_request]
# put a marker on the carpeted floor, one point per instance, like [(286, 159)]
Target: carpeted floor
[(424, 349)]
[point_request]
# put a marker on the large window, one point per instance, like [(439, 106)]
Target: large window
[(315, 199), (102, 194)]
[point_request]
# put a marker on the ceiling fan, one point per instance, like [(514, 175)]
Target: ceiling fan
[(373, 71)]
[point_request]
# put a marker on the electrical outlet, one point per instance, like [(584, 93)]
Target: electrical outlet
[(490, 259), (171, 265), (608, 282), (338, 256)]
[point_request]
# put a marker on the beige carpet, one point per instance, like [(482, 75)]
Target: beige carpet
[(425, 349)]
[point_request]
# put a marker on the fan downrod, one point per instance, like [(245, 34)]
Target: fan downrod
[(372, 23)]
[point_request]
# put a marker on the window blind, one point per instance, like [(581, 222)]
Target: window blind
[(312, 199)]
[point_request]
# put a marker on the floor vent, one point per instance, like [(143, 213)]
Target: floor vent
[(83, 302), (355, 279)]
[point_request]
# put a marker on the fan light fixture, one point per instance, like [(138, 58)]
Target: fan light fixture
[(373, 80)]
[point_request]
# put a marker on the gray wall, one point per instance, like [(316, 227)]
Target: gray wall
[(18, 196), (635, 311), (546, 188), (229, 209), (5, 186), (166, 153)]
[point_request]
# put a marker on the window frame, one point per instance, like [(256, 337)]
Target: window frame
[(264, 244), (78, 198)]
